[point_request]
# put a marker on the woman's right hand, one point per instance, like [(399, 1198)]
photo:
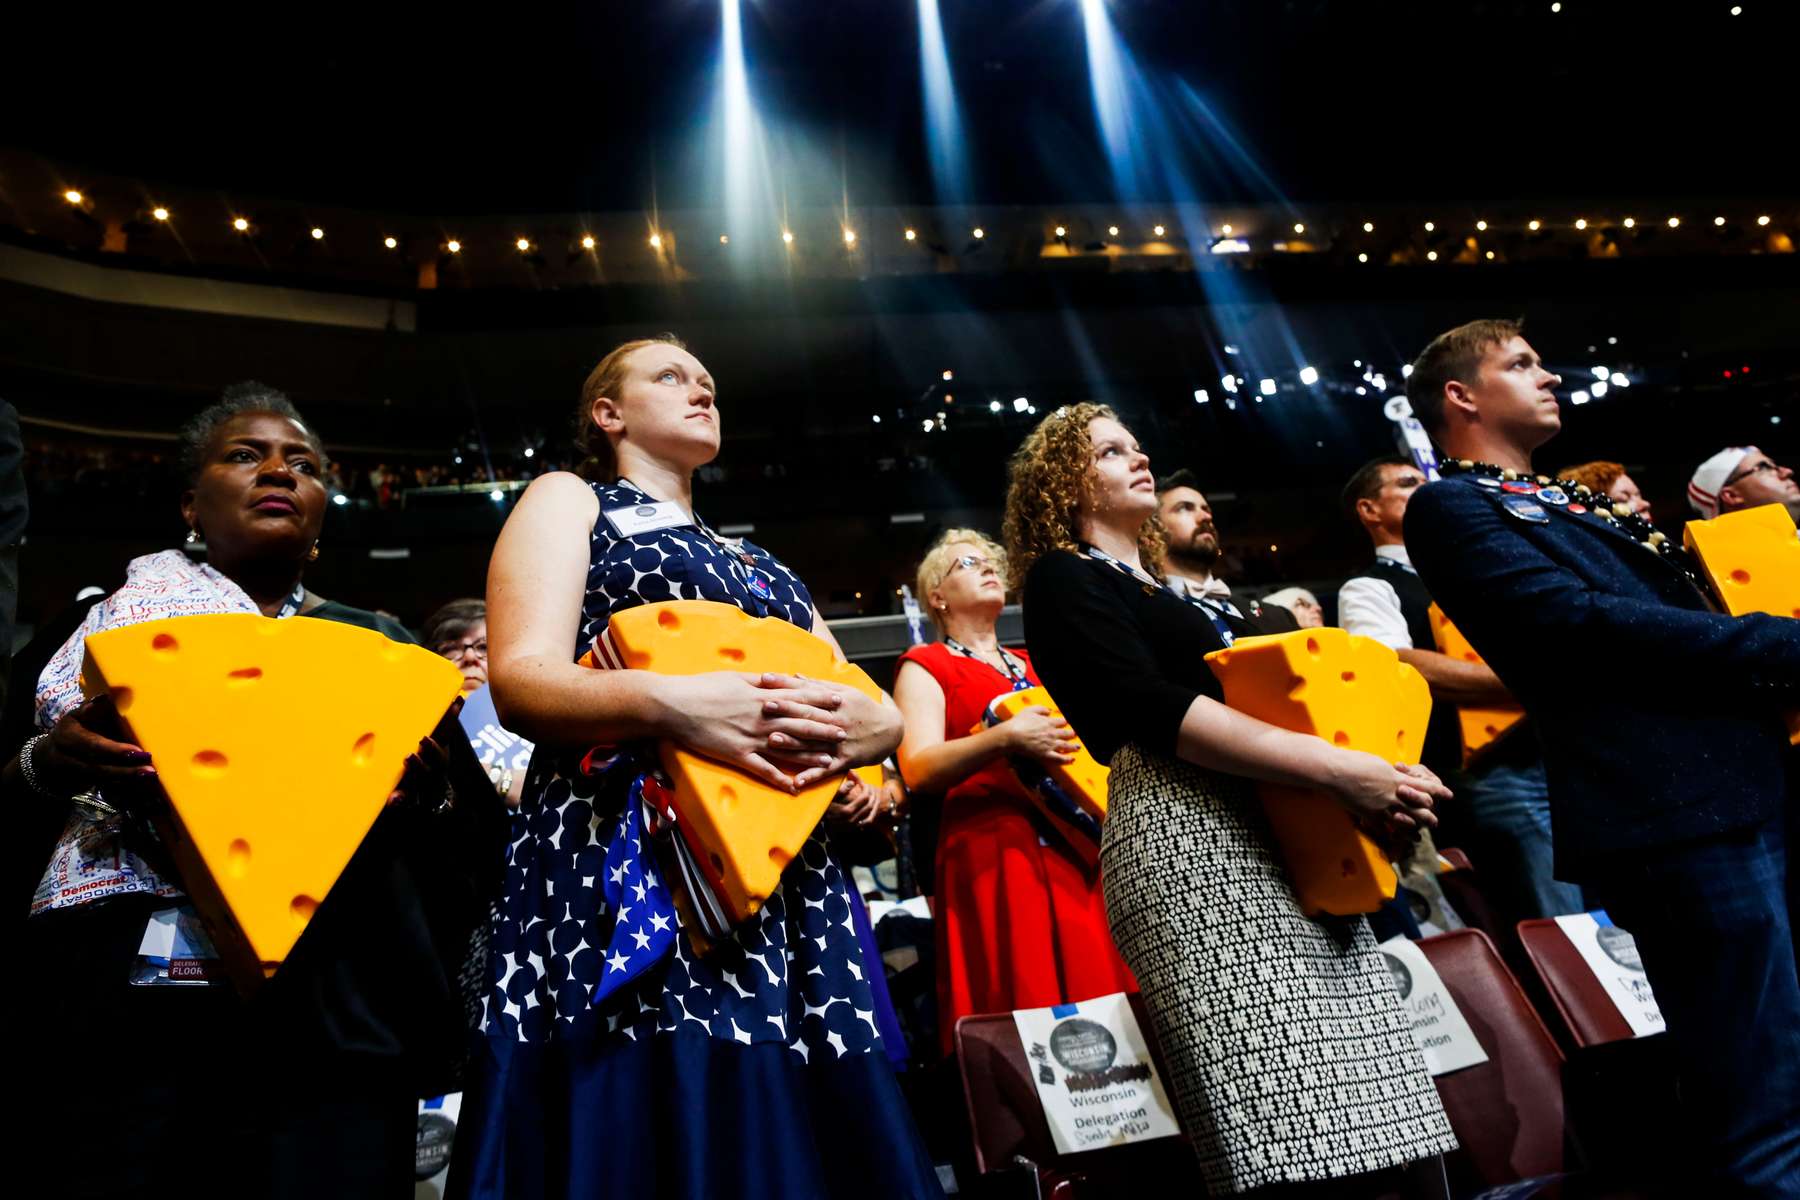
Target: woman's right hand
[(1393, 797), (87, 748), (1038, 733), (736, 718)]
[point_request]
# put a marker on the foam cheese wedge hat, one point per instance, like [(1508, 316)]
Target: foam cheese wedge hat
[(1751, 558), (1351, 691), (277, 744), (742, 832)]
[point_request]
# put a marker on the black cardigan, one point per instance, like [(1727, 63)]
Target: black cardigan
[(1123, 660)]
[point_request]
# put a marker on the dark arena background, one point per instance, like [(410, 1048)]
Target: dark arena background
[(900, 234), (446, 221)]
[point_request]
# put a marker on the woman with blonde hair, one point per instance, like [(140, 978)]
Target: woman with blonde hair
[(1020, 920), (621, 1057), (1290, 1057)]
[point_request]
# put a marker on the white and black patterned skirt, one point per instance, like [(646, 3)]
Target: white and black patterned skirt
[(1289, 1055)]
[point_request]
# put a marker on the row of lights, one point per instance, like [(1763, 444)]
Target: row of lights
[(524, 245), (1736, 10)]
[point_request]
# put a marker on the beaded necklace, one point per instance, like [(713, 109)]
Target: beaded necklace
[(1580, 499)]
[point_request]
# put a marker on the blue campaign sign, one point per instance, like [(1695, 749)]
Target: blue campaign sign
[(494, 745)]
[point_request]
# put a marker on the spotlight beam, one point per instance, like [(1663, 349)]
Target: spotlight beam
[(944, 138)]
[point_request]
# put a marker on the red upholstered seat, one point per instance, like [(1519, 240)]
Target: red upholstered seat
[(1508, 1111), (1587, 1012), (1010, 1131)]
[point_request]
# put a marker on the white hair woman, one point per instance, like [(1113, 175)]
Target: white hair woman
[(1020, 919), (1303, 604)]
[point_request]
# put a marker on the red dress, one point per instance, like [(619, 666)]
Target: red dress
[(1020, 918)]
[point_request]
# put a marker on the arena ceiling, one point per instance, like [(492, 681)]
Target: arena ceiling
[(556, 107)]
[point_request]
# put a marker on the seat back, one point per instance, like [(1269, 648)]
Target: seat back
[(1587, 1012), (1508, 1111), (1007, 1119)]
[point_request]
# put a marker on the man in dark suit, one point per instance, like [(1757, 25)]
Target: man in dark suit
[(1660, 723)]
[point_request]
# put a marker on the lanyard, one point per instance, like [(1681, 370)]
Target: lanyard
[(1014, 671), (1216, 616), (291, 605), (742, 563)]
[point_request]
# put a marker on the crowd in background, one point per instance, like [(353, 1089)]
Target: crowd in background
[(1118, 573)]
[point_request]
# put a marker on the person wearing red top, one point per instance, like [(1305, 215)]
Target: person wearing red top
[(1020, 918)]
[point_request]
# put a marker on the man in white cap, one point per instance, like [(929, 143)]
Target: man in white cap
[(1740, 477)]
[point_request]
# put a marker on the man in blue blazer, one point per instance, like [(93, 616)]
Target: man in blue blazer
[(1660, 722)]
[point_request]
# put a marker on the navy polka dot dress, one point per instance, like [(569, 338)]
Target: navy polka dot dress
[(614, 1061)]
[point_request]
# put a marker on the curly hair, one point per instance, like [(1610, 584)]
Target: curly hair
[(1047, 482), (1596, 476)]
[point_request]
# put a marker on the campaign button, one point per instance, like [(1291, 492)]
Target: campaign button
[(1522, 489), (1526, 510), (1553, 495)]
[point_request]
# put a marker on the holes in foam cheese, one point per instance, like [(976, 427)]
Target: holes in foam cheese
[(210, 764), (301, 908), (164, 643), (237, 859), (363, 753)]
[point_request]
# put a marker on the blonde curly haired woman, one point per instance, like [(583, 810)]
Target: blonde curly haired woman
[(1290, 1057), (1020, 920)]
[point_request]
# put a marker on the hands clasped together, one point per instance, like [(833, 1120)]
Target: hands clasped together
[(1388, 799), (786, 730)]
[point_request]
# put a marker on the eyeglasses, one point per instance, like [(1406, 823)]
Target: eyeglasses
[(455, 650), (1758, 469), (973, 562)]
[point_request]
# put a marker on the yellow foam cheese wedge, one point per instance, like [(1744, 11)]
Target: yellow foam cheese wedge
[(1353, 692), (1751, 558), (1084, 780), (277, 742), (742, 832), (1074, 802), (1481, 727)]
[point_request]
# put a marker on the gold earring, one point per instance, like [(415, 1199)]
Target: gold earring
[(193, 537), (313, 554)]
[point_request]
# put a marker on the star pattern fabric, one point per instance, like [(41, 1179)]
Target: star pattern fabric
[(587, 942)]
